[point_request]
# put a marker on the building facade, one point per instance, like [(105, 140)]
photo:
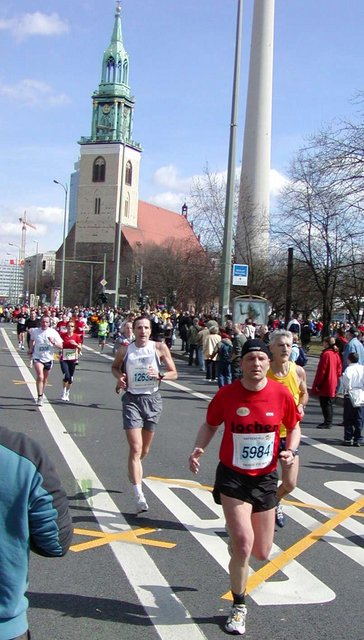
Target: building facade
[(11, 280)]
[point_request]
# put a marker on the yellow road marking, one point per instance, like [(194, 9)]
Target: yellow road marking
[(31, 382), (181, 483), (299, 547), (99, 538)]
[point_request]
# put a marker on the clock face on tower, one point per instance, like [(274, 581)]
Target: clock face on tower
[(106, 108)]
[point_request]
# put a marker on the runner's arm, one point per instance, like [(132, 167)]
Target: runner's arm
[(205, 434), (164, 353), (116, 368), (293, 438), (303, 399)]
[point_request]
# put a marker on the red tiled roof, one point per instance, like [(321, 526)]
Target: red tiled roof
[(157, 225)]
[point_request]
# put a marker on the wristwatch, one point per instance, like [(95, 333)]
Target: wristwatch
[(161, 375), (293, 452)]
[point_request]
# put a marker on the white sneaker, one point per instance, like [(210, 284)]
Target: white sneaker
[(67, 398), (64, 395), (236, 619), (19, 345), (141, 504), (39, 401)]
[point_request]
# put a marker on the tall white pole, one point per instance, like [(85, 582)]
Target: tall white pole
[(252, 236)]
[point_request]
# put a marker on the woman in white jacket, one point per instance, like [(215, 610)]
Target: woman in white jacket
[(209, 344)]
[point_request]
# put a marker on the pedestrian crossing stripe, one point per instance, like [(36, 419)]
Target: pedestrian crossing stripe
[(134, 536), (300, 585), (280, 561)]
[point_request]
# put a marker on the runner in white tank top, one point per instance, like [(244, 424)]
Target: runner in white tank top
[(137, 369)]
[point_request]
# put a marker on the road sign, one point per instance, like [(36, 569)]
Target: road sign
[(109, 290), (240, 274), (103, 282)]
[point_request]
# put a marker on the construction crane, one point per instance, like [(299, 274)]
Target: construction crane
[(24, 224)]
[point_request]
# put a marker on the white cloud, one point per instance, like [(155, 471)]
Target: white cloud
[(34, 24), (168, 200), (178, 189), (168, 177), (276, 182), (33, 93)]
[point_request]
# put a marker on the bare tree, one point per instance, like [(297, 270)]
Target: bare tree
[(319, 213), (207, 210), (177, 272)]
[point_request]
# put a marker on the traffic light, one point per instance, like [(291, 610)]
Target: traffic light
[(143, 300), (103, 298), (44, 264)]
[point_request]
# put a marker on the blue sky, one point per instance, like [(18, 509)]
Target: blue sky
[(181, 65)]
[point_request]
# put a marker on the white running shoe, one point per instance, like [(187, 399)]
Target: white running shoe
[(236, 619), (64, 395), (39, 401), (67, 395), (141, 504)]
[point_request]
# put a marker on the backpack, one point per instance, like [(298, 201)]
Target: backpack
[(225, 352), (302, 358)]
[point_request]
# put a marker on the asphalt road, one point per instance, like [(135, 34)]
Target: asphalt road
[(163, 574)]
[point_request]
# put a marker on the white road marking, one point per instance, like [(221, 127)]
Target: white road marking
[(300, 587)]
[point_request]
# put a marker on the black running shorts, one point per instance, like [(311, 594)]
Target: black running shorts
[(259, 491)]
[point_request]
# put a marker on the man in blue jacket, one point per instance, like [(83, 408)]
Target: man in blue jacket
[(353, 346), (34, 515)]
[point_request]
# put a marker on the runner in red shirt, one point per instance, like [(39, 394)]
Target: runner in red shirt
[(62, 325), (72, 345), (81, 325), (252, 410)]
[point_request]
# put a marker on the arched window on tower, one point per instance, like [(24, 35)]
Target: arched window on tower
[(127, 206), (99, 170), (128, 173), (97, 206), (110, 67), (119, 72), (125, 72)]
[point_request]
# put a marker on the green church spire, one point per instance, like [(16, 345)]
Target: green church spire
[(112, 117), (115, 64)]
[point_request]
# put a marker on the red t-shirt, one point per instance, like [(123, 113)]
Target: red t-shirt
[(69, 351), (250, 443)]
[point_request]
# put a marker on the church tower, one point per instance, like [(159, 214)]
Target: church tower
[(108, 180)]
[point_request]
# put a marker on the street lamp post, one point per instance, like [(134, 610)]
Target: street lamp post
[(17, 286), (65, 188), (225, 278), (36, 271)]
